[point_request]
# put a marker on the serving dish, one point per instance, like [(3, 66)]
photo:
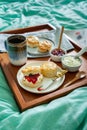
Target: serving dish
[(56, 54), (33, 52), (71, 63)]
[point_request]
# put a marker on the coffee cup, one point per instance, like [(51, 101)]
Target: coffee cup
[(17, 49)]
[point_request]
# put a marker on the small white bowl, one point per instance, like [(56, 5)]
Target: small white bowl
[(57, 54), (71, 63)]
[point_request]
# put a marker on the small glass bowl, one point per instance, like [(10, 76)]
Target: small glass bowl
[(56, 54), (71, 63)]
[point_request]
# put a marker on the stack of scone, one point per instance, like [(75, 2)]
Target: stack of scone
[(43, 46)]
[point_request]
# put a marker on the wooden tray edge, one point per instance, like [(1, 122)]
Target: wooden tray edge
[(30, 29)]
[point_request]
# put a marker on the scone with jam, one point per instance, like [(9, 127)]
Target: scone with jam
[(32, 76)]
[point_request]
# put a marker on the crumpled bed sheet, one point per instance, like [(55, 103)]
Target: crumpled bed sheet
[(65, 113), (22, 13)]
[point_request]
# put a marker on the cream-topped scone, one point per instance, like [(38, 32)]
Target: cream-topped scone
[(49, 69), (32, 76), (32, 41), (44, 46)]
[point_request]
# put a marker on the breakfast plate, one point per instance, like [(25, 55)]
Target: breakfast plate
[(33, 52), (46, 81)]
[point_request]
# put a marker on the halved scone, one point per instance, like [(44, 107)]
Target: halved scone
[(49, 69), (32, 76)]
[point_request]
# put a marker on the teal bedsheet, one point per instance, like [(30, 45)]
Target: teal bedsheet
[(65, 113)]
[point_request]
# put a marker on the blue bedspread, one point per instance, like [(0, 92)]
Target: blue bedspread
[(65, 113)]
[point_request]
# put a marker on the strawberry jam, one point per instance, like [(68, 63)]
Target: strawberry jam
[(32, 78), (58, 52)]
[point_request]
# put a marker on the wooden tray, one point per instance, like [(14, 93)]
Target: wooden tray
[(26, 99)]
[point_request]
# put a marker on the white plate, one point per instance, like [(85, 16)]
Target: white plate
[(46, 81), (34, 51)]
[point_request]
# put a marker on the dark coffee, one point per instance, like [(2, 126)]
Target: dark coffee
[(16, 39)]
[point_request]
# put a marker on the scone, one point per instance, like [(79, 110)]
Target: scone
[(44, 46), (49, 69), (32, 76), (32, 41)]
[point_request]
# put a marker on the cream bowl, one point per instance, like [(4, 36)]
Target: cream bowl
[(71, 63), (56, 54)]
